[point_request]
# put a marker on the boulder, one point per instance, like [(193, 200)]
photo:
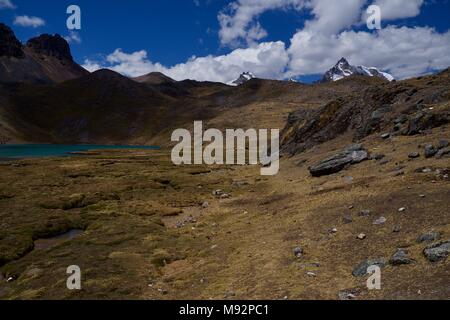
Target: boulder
[(414, 155), (438, 251), (442, 152), (400, 257), (430, 151), (298, 252), (361, 269), (351, 155), (428, 237)]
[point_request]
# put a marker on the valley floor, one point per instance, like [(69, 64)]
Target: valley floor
[(152, 230)]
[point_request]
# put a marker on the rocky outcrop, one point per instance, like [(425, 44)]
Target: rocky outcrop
[(51, 45), (45, 59)]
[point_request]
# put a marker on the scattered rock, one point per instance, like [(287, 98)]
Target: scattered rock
[(378, 156), (403, 209), (364, 213), (385, 136), (438, 251), (298, 252), (163, 291), (443, 144), (361, 236), (349, 294), (428, 237), (397, 229), (380, 220), (311, 274), (430, 151), (400, 258), (205, 205), (333, 230), (401, 119), (347, 219), (229, 294), (398, 173), (351, 155), (361, 269), (414, 155), (442, 152), (241, 183)]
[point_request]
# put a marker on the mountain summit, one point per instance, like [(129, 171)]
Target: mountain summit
[(243, 78), (344, 69), (44, 59)]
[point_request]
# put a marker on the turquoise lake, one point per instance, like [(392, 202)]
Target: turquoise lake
[(53, 150)]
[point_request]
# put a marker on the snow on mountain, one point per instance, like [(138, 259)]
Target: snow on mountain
[(243, 78), (344, 69)]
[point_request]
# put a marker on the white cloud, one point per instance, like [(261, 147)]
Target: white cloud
[(399, 9), (73, 37), (91, 66), (331, 16), (7, 4), (237, 21), (267, 60), (326, 37), (26, 21), (405, 52)]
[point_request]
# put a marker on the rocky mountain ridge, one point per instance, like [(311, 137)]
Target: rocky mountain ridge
[(343, 69)]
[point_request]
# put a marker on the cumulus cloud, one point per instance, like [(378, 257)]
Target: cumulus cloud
[(6, 4), (73, 37), (26, 21), (325, 38), (266, 60), (237, 20), (405, 52), (399, 9)]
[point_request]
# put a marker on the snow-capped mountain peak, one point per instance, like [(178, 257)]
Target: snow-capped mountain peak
[(344, 69), (243, 78)]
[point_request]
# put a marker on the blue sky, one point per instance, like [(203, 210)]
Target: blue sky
[(173, 36)]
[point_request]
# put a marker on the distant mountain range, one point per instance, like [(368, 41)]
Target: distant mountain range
[(343, 69), (46, 97)]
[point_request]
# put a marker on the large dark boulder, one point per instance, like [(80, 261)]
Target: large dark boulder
[(437, 252), (351, 155)]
